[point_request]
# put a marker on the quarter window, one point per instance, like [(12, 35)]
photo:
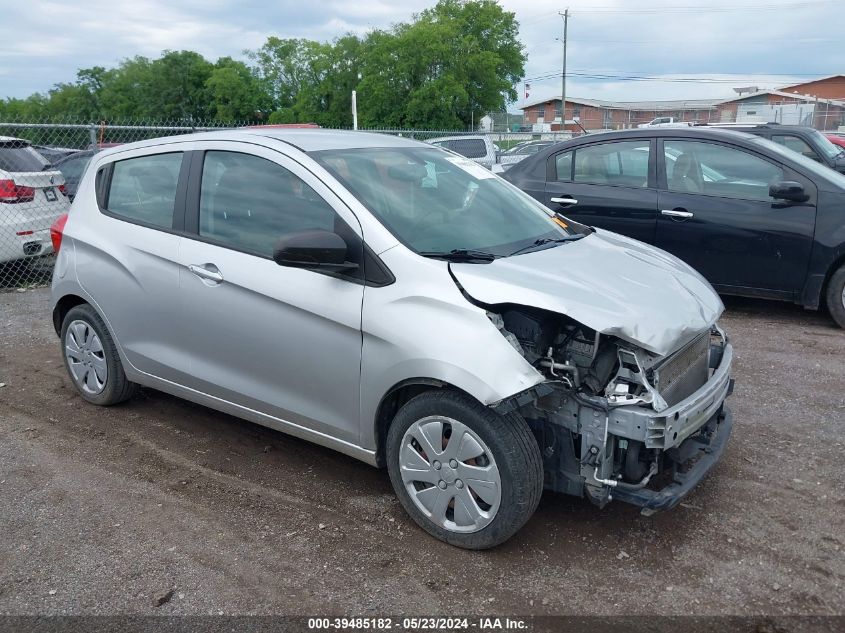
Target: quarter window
[(563, 166), (624, 164), (143, 189), (718, 170), (248, 202)]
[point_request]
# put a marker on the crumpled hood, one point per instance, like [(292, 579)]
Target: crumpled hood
[(610, 283)]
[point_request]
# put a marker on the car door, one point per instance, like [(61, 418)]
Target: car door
[(716, 214), (127, 258), (282, 341), (610, 185)]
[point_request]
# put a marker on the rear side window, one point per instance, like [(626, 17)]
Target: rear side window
[(143, 189), (20, 157), (247, 203), (469, 147)]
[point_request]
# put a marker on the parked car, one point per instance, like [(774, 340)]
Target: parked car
[(32, 196), (72, 168), (400, 304), (799, 138), (836, 139), (52, 154), (477, 148), (663, 121), (753, 217), (517, 153)]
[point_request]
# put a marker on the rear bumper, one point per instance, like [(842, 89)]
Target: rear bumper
[(706, 447)]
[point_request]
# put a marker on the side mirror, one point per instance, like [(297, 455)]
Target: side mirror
[(314, 249), (788, 190)]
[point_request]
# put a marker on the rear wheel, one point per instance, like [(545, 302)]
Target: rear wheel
[(836, 297), (91, 358), (464, 473)]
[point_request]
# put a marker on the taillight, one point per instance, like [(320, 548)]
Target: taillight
[(63, 189), (10, 192), (57, 229)]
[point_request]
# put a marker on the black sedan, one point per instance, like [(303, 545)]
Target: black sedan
[(753, 217)]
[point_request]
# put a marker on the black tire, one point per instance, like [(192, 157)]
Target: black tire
[(116, 388), (835, 298), (514, 450)]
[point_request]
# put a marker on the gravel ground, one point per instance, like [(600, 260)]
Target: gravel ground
[(106, 511)]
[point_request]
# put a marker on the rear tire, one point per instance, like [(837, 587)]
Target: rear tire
[(473, 493), (91, 358), (835, 296)]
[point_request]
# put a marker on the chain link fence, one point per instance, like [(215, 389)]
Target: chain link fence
[(41, 165)]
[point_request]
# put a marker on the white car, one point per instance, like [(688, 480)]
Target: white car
[(32, 197)]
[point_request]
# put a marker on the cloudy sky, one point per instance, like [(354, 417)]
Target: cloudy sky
[(618, 49)]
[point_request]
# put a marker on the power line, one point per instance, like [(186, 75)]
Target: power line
[(644, 76), (610, 10)]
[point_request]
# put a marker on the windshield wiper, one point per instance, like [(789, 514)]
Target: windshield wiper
[(548, 240), (461, 255)]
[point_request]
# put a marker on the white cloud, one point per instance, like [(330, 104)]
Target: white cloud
[(679, 42)]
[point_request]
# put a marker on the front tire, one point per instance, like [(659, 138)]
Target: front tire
[(835, 296), (465, 474), (91, 358)]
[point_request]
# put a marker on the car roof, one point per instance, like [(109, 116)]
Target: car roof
[(307, 140), (6, 139), (770, 126)]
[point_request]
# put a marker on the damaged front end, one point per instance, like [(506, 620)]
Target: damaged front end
[(614, 420)]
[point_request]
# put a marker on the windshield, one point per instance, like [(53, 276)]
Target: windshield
[(436, 202), (823, 143), (809, 164)]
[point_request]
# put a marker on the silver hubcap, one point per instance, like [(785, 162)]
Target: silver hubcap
[(843, 296), (86, 358), (450, 474)]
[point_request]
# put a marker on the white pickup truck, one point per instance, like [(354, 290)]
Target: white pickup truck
[(664, 121)]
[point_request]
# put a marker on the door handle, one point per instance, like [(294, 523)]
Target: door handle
[(677, 213), (567, 201), (206, 271)]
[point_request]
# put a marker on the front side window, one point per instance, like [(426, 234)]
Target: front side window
[(247, 203), (435, 202), (795, 144), (143, 189), (718, 170), (624, 163)]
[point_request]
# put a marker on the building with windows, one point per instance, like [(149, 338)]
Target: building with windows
[(819, 103)]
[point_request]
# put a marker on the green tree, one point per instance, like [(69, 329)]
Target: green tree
[(235, 92)]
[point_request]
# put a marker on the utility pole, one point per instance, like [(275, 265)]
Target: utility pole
[(354, 109), (565, 16)]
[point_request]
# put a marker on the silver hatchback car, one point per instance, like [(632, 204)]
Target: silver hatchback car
[(400, 304)]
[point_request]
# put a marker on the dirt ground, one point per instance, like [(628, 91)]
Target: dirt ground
[(105, 511)]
